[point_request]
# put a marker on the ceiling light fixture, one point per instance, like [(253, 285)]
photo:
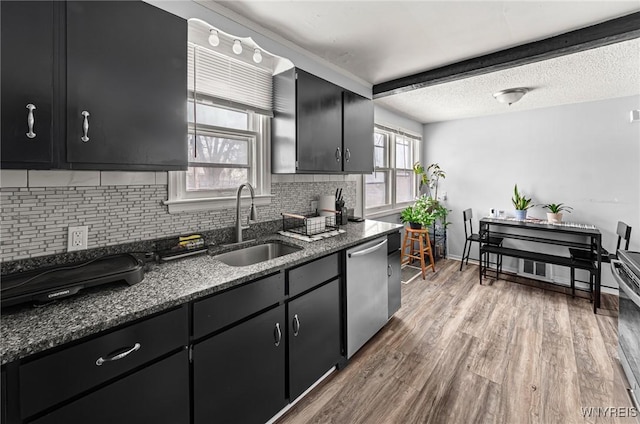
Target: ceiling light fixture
[(257, 56), (237, 46), (511, 95), (214, 39)]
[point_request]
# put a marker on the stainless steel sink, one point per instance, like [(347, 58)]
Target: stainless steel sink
[(254, 254)]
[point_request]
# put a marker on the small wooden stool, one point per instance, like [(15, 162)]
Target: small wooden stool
[(421, 236)]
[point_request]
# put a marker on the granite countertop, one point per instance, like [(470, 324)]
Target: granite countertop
[(28, 330)]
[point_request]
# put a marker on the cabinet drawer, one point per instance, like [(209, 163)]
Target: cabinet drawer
[(220, 310), (157, 394), (56, 377), (310, 275)]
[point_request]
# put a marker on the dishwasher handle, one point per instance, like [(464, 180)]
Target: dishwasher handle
[(368, 250)]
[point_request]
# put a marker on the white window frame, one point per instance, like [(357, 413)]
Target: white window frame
[(182, 200), (394, 206)]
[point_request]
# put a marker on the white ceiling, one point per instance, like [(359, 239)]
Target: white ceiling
[(381, 40)]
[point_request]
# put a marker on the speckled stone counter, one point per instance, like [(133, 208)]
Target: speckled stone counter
[(29, 330)]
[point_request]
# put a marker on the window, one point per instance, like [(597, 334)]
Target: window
[(393, 183), (229, 114)]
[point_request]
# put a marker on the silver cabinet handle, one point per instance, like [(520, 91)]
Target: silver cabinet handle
[(368, 250), (296, 325), (119, 356), (85, 126), (30, 121), (277, 334), (338, 155), (389, 270), (347, 155)]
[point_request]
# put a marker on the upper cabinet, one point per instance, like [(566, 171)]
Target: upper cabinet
[(357, 130), (319, 127), (27, 50), (117, 83)]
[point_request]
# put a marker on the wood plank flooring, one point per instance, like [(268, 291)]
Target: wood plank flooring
[(459, 352)]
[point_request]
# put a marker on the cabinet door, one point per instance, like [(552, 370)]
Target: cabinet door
[(357, 133), (126, 68), (239, 375), (156, 394), (394, 273), (319, 124), (314, 336), (27, 48)]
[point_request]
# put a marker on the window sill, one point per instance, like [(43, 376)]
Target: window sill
[(214, 203), (385, 212)]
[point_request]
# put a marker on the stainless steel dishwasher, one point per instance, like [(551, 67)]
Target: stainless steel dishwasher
[(367, 292)]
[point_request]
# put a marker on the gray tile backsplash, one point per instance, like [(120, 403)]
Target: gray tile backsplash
[(34, 220)]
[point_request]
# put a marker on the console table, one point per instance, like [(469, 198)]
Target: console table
[(562, 234)]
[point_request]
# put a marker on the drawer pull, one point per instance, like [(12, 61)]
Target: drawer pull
[(277, 334), (347, 155), (30, 121), (118, 356), (296, 325), (389, 270), (338, 155)]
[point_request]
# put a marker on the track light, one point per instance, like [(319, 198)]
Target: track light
[(214, 39), (237, 47), (257, 56)]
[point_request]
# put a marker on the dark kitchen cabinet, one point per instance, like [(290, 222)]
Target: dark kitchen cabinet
[(239, 374), (313, 336), (357, 133), (307, 130), (27, 86), (394, 273), (108, 82), (126, 71), (158, 394)]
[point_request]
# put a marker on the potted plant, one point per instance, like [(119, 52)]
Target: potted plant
[(429, 177), (520, 203), (418, 215), (555, 211)]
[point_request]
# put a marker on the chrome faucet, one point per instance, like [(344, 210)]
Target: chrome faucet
[(252, 214)]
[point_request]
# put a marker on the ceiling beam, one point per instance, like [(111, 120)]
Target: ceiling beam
[(602, 34)]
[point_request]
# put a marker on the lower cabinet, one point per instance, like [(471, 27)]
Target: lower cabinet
[(157, 394), (314, 336), (238, 375)]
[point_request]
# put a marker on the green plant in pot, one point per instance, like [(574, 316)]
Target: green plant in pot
[(429, 178), (521, 204), (418, 215), (555, 211)]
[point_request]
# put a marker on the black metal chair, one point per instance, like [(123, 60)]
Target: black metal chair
[(586, 259), (470, 237)]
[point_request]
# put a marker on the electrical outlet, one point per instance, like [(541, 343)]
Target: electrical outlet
[(314, 206), (77, 239)]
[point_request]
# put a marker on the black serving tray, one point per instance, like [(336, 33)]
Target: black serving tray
[(52, 283)]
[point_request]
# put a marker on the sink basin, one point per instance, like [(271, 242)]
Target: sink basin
[(254, 254)]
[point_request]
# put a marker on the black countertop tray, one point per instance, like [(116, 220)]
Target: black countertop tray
[(48, 284)]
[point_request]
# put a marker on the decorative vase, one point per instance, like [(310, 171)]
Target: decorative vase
[(521, 214), (415, 226), (554, 217)]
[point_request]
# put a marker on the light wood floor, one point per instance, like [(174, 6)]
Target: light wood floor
[(459, 352)]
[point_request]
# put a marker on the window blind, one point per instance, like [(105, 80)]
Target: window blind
[(230, 81)]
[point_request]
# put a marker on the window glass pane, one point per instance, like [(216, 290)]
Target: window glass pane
[(209, 178), (221, 150), (380, 150), (404, 159), (218, 116), (376, 189), (405, 187)]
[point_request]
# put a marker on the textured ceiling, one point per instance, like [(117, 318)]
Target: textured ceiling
[(377, 41), (383, 40), (602, 73)]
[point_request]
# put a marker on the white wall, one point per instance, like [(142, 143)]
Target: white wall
[(584, 155)]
